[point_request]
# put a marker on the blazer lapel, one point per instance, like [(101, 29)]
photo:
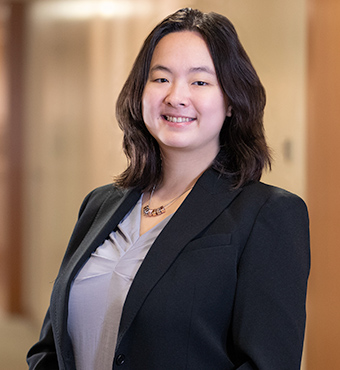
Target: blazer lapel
[(209, 197)]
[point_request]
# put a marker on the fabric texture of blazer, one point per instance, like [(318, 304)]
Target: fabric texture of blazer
[(223, 286)]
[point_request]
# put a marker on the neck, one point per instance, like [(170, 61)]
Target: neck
[(181, 170)]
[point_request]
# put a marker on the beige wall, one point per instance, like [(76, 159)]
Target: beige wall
[(75, 69)]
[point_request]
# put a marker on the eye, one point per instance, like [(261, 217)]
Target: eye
[(161, 80), (200, 83)]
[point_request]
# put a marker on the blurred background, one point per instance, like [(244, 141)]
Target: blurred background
[(62, 65)]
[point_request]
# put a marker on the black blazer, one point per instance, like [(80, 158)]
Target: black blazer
[(222, 287)]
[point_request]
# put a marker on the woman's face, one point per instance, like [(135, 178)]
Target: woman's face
[(183, 105)]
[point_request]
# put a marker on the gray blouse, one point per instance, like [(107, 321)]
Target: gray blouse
[(99, 290)]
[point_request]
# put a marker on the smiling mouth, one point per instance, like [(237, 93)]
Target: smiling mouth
[(178, 119)]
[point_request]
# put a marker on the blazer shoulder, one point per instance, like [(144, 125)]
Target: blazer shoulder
[(105, 190), (266, 190), (266, 194), (97, 196)]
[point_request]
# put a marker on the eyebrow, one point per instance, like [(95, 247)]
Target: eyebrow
[(159, 67), (202, 69), (205, 69)]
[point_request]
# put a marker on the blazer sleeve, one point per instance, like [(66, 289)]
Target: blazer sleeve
[(269, 314), (43, 354)]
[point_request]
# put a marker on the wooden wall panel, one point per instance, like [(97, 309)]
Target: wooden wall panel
[(323, 107)]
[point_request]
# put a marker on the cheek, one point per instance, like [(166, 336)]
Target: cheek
[(148, 104), (221, 109), (213, 103), (215, 108), (145, 113), (222, 103), (148, 112)]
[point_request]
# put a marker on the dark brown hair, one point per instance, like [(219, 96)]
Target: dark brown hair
[(243, 150)]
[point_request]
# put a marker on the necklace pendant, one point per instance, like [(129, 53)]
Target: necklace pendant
[(147, 211), (160, 210)]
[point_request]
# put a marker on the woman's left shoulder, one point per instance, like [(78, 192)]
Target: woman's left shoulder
[(273, 195), (272, 208)]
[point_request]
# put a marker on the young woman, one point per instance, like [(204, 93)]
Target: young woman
[(187, 261)]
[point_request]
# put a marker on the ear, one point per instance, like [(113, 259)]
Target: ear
[(229, 110)]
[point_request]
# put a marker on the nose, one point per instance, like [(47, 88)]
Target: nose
[(177, 96)]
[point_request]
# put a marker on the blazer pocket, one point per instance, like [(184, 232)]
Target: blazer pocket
[(208, 241)]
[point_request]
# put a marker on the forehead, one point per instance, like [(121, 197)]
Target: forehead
[(182, 48)]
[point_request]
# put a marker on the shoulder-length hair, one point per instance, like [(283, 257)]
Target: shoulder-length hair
[(243, 150)]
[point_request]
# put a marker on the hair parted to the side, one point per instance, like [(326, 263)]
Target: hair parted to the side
[(243, 149)]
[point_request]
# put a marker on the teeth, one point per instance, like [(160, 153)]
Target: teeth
[(178, 119)]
